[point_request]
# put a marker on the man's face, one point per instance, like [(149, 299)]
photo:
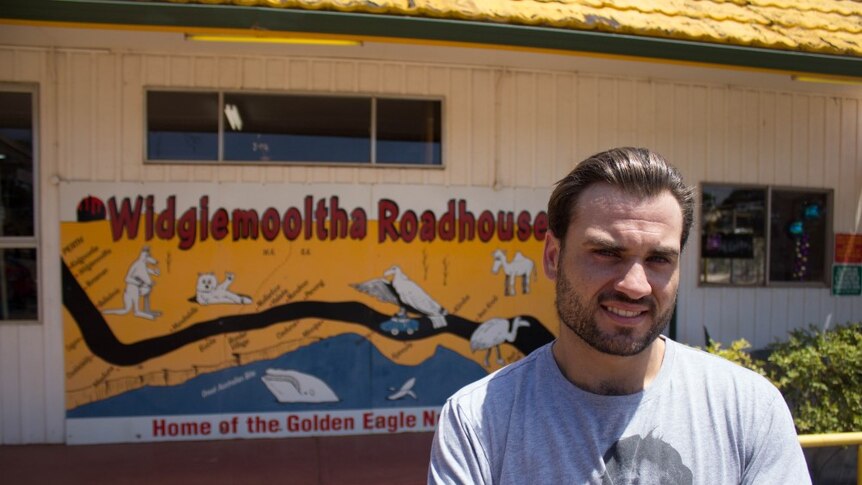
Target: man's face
[(617, 273)]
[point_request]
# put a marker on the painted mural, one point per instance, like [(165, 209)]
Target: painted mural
[(220, 311)]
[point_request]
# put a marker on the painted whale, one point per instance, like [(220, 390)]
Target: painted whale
[(290, 386)]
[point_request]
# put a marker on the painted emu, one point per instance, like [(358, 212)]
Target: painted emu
[(493, 333)]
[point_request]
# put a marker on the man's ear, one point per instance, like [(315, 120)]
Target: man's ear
[(551, 255)]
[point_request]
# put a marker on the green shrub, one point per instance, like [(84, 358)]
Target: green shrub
[(819, 374), (737, 353)]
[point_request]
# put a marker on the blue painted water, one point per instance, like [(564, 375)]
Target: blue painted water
[(354, 369)]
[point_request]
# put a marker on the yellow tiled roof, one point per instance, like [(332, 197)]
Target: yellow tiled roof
[(815, 26)]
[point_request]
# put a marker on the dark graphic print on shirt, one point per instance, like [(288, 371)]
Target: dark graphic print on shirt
[(649, 460)]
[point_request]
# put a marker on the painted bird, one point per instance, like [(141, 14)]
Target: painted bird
[(492, 333), (405, 293)]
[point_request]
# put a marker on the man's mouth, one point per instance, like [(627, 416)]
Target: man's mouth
[(621, 312)]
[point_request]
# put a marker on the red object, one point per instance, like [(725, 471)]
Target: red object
[(91, 209), (848, 248)]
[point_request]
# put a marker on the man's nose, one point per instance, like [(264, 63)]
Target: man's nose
[(634, 283)]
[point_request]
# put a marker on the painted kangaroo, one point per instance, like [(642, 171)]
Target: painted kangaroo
[(139, 285)]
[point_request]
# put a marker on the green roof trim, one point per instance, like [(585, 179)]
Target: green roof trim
[(427, 29)]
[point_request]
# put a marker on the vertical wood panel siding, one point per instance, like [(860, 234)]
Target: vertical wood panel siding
[(783, 140), (544, 132), (460, 119), (564, 127), (31, 391), (586, 121), (480, 160), (48, 154), (503, 127)]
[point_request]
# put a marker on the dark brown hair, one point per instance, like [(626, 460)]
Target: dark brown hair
[(636, 171)]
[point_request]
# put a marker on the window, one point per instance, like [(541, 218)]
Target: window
[(18, 228), (182, 126), (292, 128), (760, 236)]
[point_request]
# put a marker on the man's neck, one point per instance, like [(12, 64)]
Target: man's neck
[(607, 374)]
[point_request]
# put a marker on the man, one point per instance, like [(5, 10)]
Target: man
[(611, 401)]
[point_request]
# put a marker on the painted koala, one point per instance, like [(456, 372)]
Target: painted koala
[(210, 292)]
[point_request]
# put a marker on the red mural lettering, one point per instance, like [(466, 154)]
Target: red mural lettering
[(429, 227), (320, 217), (505, 226), (270, 224), (219, 224), (447, 222), (338, 220), (182, 428), (323, 219), (408, 226), (540, 226), (292, 224), (245, 224), (126, 219), (486, 226), (358, 224), (466, 222), (187, 228), (167, 220), (387, 213), (524, 228)]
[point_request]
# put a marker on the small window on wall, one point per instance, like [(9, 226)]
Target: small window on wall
[(289, 128), (19, 264), (265, 127), (799, 234), (182, 126), (408, 131), (760, 236)]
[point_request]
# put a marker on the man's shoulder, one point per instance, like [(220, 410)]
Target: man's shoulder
[(500, 382), (717, 370)]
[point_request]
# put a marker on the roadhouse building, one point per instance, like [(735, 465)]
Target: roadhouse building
[(244, 218)]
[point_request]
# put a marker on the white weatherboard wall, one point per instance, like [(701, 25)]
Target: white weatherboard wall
[(514, 126)]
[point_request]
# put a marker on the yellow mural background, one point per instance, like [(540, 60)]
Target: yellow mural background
[(456, 274)]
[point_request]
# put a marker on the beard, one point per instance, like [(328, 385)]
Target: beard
[(580, 318)]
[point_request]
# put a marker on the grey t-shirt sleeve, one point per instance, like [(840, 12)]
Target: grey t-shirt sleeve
[(457, 455), (777, 455)]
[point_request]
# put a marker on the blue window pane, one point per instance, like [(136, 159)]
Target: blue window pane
[(182, 126), (408, 131), (297, 128), (297, 148), (410, 152), (170, 145)]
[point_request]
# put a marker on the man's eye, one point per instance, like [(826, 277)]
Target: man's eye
[(659, 259), (608, 253)]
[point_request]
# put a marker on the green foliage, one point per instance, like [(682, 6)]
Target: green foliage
[(737, 353), (819, 374)]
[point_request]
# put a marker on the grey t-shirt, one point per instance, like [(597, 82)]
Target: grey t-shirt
[(703, 420)]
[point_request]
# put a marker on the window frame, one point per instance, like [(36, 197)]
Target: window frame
[(30, 242), (829, 240), (372, 97)]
